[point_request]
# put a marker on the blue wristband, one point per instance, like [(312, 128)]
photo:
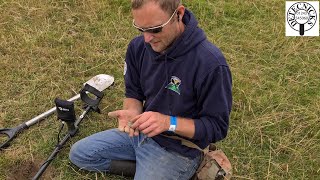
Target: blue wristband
[(173, 123)]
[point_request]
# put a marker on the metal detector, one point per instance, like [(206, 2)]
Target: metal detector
[(99, 82), (66, 113)]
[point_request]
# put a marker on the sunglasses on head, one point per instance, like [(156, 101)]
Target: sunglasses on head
[(155, 29)]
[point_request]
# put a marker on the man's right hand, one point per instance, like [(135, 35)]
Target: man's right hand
[(124, 123)]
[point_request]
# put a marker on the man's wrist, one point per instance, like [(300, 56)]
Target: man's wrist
[(173, 123)]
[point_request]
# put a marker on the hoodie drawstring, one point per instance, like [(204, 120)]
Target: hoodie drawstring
[(167, 82)]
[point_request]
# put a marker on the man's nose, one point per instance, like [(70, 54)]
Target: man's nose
[(148, 37)]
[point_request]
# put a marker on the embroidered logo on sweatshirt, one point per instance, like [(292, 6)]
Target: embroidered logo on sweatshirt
[(174, 84)]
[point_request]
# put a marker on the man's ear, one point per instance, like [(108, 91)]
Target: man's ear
[(180, 12)]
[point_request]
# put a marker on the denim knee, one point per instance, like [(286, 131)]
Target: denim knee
[(75, 154)]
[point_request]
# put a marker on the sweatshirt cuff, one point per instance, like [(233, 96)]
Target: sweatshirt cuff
[(134, 96), (200, 130)]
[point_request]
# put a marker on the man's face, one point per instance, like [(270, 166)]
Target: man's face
[(151, 15)]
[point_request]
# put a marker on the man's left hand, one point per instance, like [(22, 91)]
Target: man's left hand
[(151, 123)]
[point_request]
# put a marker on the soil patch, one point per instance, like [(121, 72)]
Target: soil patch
[(26, 170)]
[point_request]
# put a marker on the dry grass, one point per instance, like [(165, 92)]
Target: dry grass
[(49, 48)]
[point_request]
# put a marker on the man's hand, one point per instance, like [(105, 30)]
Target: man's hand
[(151, 123), (124, 123)]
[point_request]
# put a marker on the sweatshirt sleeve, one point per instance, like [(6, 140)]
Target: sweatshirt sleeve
[(132, 75), (214, 102)]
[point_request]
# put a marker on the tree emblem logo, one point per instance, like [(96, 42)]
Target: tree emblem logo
[(174, 84)]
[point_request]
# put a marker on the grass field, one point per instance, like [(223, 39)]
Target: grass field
[(49, 48)]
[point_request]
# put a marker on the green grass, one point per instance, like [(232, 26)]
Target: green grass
[(49, 48)]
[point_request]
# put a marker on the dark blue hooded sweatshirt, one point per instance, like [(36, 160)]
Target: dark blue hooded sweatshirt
[(191, 79)]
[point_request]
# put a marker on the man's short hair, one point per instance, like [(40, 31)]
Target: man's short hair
[(166, 5)]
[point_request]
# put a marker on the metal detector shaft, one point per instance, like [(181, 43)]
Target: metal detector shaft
[(47, 113), (99, 82), (59, 146), (51, 157), (11, 133)]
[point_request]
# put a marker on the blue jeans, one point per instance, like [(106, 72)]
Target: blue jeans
[(94, 153)]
